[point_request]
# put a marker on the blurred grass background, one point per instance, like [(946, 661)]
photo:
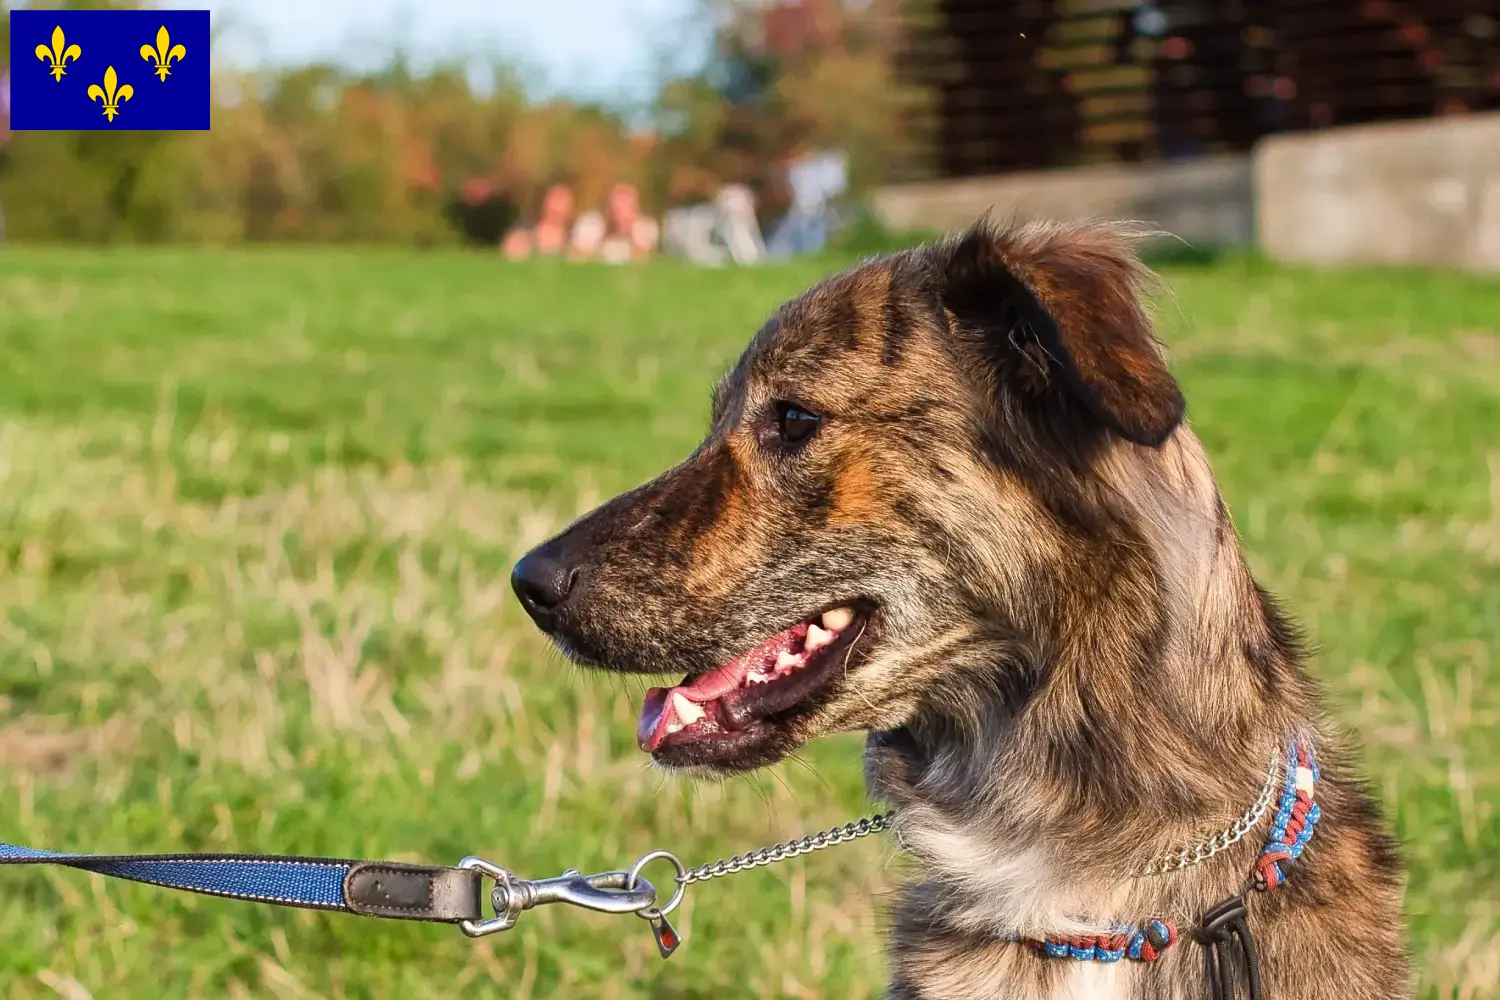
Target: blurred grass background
[(257, 511)]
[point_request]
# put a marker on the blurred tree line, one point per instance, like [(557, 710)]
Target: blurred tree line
[(323, 153)]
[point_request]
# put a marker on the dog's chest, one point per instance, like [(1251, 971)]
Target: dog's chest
[(943, 967), (1094, 981), (1005, 888), (1005, 883)]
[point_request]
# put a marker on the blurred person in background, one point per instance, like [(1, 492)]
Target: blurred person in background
[(815, 179), (618, 234), (552, 235), (718, 232), (738, 224)]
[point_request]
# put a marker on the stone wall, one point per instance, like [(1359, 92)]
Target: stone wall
[(1208, 202), (1420, 192), (1424, 192)]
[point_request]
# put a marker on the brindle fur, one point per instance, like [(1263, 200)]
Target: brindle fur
[(1070, 669)]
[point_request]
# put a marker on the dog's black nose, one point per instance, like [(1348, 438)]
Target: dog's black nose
[(542, 581)]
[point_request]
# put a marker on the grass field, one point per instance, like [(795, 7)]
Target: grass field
[(257, 512)]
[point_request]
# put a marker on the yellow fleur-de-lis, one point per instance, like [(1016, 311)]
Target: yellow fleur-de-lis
[(164, 53), (59, 55), (110, 95)]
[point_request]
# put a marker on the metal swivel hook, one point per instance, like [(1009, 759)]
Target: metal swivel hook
[(605, 892)]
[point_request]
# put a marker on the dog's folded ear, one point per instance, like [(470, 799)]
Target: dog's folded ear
[(1064, 302)]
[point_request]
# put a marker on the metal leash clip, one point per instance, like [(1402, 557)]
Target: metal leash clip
[(606, 892), (629, 892)]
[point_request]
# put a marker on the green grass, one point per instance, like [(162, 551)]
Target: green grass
[(256, 515)]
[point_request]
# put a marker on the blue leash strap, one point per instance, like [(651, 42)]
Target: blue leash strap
[(369, 888)]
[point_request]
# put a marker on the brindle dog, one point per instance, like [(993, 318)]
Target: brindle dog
[(948, 498)]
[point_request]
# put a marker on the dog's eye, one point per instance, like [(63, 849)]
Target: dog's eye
[(794, 424)]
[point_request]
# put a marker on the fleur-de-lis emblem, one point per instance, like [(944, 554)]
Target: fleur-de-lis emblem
[(164, 53), (111, 96), (59, 55)]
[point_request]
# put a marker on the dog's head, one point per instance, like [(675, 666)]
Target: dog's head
[(899, 484)]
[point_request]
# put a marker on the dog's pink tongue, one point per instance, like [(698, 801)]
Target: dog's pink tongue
[(651, 730), (657, 713)]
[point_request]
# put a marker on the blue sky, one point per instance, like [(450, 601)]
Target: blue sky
[(596, 48)]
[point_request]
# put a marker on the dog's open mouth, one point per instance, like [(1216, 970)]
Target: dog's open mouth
[(755, 688)]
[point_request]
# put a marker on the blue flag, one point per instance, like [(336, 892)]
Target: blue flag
[(109, 69)]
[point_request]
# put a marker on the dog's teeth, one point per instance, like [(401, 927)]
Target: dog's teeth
[(787, 660), (687, 712), (838, 619), (675, 726), (817, 638)]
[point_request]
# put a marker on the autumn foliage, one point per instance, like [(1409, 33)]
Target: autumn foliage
[(320, 153)]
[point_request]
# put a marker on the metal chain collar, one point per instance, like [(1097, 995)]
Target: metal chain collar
[(1192, 854)]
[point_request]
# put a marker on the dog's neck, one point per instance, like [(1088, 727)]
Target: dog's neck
[(1124, 744)]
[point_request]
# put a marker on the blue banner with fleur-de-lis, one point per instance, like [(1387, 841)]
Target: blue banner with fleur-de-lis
[(109, 69)]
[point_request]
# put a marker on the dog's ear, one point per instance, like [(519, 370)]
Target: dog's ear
[(1066, 301)]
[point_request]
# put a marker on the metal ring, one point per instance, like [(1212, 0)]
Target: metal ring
[(653, 912), (503, 920)]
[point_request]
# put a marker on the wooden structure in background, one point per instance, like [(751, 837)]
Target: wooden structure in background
[(1032, 84)]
